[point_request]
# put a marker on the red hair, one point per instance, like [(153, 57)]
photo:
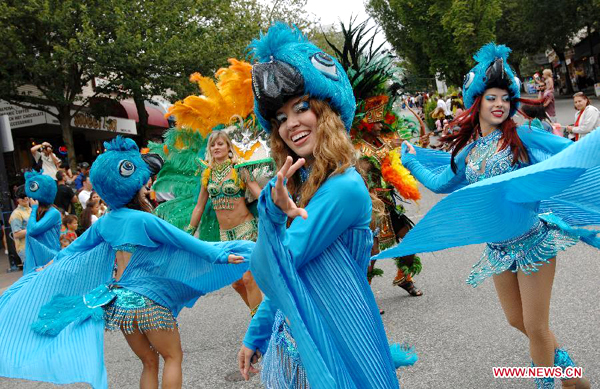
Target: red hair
[(468, 123)]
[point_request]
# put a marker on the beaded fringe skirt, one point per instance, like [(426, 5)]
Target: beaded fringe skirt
[(526, 252), (130, 311), (281, 364)]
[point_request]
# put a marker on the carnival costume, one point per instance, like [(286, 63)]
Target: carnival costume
[(52, 321), (528, 212), (312, 330), (223, 106), (42, 241), (375, 86)]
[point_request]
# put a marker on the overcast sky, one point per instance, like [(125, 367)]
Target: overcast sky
[(330, 11)]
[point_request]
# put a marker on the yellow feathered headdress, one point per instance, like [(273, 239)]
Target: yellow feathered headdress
[(231, 95)]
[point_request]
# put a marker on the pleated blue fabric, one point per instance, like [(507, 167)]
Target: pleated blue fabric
[(42, 242), (314, 272), (563, 179), (168, 266)]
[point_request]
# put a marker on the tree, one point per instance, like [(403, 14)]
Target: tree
[(50, 45), (157, 44)]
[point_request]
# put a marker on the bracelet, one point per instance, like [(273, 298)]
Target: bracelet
[(190, 229)]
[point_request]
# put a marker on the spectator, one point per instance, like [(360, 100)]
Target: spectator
[(587, 117), (537, 112), (86, 191), (69, 227), (18, 222), (64, 194), (84, 170), (88, 217), (42, 154), (68, 174), (102, 206)]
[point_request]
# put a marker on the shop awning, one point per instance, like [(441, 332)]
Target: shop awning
[(155, 115)]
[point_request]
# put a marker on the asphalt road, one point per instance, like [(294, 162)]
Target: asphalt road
[(459, 332)]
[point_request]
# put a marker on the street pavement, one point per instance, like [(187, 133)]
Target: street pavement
[(459, 332)]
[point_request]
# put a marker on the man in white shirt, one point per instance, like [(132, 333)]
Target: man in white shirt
[(86, 191), (50, 162)]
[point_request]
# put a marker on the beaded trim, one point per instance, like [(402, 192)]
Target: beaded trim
[(247, 230), (131, 311), (526, 252), (281, 364)]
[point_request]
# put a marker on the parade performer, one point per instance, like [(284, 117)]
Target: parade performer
[(229, 176), (319, 325), (130, 271), (523, 189), (43, 228), (377, 133)]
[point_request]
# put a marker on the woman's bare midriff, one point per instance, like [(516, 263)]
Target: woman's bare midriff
[(230, 218), (123, 258)]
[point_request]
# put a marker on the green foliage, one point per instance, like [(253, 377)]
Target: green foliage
[(427, 110)]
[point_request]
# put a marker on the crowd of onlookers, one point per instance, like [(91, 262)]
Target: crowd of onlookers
[(79, 205)]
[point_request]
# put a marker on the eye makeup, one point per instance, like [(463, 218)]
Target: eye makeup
[(301, 106)]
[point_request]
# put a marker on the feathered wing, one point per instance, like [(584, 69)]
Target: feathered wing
[(500, 207)]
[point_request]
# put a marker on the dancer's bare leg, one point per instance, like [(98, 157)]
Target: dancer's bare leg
[(141, 347), (168, 345)]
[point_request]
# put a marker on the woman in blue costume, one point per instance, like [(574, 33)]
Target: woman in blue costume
[(312, 329), (135, 273), (523, 189), (43, 227)]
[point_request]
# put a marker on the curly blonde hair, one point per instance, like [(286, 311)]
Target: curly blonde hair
[(333, 151)]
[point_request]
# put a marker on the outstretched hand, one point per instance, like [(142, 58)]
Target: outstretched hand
[(280, 194), (235, 259)]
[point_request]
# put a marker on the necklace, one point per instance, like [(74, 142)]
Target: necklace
[(221, 170)]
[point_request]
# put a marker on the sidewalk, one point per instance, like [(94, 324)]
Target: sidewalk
[(7, 279)]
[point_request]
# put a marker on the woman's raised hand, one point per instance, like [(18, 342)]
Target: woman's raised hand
[(408, 148), (280, 194)]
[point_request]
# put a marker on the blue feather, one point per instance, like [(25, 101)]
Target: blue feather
[(288, 44), (475, 81), (117, 184), (40, 187), (403, 355)]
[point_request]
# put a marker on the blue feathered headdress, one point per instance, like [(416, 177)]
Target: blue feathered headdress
[(289, 65), (119, 173), (40, 187), (491, 71)]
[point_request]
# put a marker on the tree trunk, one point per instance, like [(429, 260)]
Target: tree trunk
[(561, 56), (142, 125), (64, 117)]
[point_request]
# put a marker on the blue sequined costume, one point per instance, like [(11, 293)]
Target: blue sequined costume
[(336, 326), (528, 212), (52, 321)]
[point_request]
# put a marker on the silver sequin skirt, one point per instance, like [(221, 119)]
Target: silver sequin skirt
[(526, 252), (130, 311)]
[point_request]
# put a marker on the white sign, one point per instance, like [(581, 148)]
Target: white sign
[(592, 61), (21, 117), (568, 61)]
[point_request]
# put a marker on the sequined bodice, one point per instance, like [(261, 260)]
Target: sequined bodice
[(228, 188), (485, 161)]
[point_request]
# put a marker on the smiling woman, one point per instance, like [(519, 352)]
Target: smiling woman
[(505, 200), (301, 327)]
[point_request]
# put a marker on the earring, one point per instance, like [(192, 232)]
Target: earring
[(230, 154)]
